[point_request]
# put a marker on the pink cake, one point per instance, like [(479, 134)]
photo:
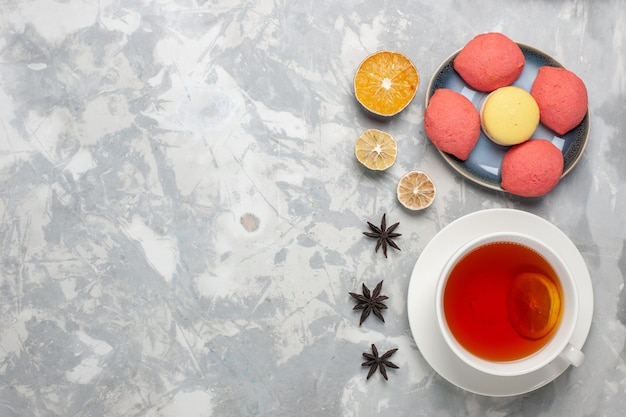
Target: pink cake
[(562, 98), (452, 123), (532, 168), (490, 61)]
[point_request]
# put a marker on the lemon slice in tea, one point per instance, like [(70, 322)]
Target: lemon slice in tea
[(376, 149), (416, 190), (385, 83), (534, 304)]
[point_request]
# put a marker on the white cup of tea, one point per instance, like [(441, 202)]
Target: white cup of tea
[(507, 305)]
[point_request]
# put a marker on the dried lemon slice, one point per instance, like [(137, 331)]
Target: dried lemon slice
[(385, 83), (416, 190), (376, 149)]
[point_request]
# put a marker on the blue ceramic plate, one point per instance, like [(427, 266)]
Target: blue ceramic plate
[(483, 164)]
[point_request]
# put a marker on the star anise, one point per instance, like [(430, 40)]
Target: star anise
[(383, 234), (379, 362), (370, 302)]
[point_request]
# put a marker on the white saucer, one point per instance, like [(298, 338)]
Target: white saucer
[(422, 288)]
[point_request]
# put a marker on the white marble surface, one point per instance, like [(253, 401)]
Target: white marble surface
[(181, 213)]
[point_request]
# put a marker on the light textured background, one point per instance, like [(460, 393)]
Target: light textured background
[(181, 211)]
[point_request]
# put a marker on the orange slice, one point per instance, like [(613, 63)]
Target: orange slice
[(534, 304), (416, 190), (385, 83), (376, 149)]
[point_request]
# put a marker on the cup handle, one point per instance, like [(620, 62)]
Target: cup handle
[(572, 355)]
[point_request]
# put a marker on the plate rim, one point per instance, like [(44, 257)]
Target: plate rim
[(452, 162), (432, 347)]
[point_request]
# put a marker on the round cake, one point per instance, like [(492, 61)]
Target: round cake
[(532, 168), (509, 116), (452, 123), (562, 98), (489, 61)]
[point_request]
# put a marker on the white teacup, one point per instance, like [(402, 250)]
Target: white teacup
[(558, 346)]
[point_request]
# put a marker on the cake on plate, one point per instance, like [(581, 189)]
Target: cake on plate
[(562, 98), (452, 123), (509, 116), (489, 61), (532, 168)]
